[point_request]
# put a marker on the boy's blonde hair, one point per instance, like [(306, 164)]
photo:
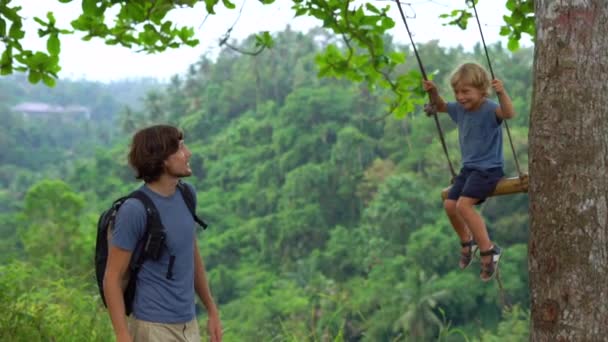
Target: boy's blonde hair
[(471, 74)]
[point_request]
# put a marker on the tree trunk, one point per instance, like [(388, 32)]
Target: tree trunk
[(568, 250)]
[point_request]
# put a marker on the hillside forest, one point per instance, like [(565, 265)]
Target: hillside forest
[(326, 221)]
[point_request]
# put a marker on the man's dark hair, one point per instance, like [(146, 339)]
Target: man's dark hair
[(150, 148)]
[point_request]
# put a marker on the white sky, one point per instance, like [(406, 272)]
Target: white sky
[(94, 60)]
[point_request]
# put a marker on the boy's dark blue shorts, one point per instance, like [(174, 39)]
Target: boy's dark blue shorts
[(475, 183)]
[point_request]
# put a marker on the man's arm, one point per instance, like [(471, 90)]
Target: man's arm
[(116, 268), (505, 110), (201, 286)]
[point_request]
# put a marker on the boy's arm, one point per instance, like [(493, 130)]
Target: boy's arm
[(440, 105), (505, 110), (202, 289)]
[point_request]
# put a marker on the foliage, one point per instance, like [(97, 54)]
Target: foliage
[(49, 304), (519, 21), (361, 55), (325, 223)]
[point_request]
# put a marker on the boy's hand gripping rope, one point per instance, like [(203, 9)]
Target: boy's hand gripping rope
[(430, 109), (472, 3)]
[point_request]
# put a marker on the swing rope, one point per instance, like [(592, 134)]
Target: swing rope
[(433, 112), (485, 48), (483, 41)]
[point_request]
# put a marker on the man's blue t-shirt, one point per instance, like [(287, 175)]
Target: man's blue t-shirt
[(158, 299), (479, 135)]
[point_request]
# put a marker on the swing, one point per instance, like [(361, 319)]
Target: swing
[(505, 186)]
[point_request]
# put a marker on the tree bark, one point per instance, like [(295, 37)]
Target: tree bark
[(568, 249)]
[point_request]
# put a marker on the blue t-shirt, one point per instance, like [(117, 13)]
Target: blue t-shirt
[(479, 135), (158, 299)]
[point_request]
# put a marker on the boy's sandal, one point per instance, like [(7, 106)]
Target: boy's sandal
[(467, 257), (489, 269)]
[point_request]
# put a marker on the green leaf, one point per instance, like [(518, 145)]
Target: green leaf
[(185, 33), (209, 5), (513, 44), (301, 11), (517, 15), (89, 7), (81, 23), (387, 23), (148, 37), (53, 45), (166, 27), (40, 21), (7, 57), (510, 5), (34, 76), (191, 42), (397, 57), (10, 13), (228, 4), (372, 8), (505, 30), (134, 11), (15, 31), (38, 59), (528, 6), (48, 80), (2, 27), (51, 18), (264, 39)]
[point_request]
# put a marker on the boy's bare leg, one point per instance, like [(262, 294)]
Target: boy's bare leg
[(475, 223), (457, 221), (459, 225)]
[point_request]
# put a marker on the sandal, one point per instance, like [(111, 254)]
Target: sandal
[(488, 270), (467, 257)]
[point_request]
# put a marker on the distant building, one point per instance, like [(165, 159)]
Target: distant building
[(38, 110)]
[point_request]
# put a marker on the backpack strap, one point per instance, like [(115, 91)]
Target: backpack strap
[(189, 199), (153, 226)]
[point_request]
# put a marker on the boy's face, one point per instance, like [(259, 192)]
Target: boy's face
[(177, 165), (468, 96)]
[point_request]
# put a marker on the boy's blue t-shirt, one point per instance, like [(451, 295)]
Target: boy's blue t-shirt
[(158, 299), (479, 135)]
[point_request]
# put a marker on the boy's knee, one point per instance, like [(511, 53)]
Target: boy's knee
[(463, 205), (450, 206)]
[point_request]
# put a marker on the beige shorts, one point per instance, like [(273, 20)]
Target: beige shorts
[(143, 331)]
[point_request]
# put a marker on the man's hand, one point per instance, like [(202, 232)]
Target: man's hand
[(214, 327), (124, 337)]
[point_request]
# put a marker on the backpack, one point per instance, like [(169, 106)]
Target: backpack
[(148, 247)]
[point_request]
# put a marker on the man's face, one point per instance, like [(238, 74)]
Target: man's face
[(177, 165)]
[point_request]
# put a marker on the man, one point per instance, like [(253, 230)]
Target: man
[(164, 304)]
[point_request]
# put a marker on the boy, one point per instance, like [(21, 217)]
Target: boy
[(163, 308), (479, 123)]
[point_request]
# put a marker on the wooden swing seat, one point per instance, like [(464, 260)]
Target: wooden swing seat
[(505, 186)]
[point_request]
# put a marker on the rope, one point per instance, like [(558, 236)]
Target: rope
[(492, 73), (433, 112), (503, 297)]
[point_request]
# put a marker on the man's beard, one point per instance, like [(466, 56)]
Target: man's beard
[(179, 174)]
